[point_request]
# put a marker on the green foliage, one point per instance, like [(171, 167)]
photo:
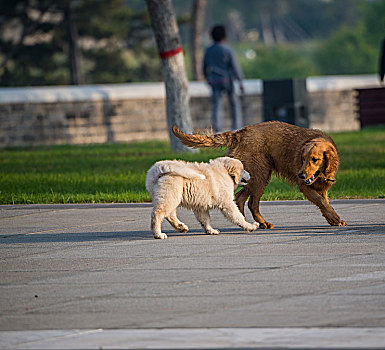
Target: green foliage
[(348, 51), (116, 40), (108, 32), (116, 172), (374, 22), (354, 48), (305, 19), (107, 66), (351, 49), (283, 61)]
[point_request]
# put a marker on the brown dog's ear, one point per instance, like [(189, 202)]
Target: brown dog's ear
[(331, 163)]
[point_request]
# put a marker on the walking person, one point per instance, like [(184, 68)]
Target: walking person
[(220, 69)]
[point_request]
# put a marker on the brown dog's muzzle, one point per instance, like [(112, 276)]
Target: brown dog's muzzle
[(311, 179)]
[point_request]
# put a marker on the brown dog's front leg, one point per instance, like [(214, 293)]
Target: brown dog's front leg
[(326, 209), (255, 190), (241, 198), (253, 205)]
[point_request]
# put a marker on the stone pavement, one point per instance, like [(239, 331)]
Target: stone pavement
[(92, 276)]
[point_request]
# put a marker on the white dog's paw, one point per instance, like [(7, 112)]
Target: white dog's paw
[(252, 227), (160, 235), (213, 231), (182, 228)]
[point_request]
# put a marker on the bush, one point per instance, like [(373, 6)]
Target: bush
[(278, 62), (347, 52)]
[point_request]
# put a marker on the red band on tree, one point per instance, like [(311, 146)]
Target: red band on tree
[(170, 53)]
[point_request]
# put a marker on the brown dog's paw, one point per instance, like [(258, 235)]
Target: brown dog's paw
[(265, 225), (337, 222)]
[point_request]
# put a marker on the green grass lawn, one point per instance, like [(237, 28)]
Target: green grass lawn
[(115, 173)]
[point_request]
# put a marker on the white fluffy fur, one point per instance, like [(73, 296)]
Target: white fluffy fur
[(196, 186)]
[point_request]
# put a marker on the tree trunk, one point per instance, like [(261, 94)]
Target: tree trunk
[(167, 37), (76, 76), (198, 17)]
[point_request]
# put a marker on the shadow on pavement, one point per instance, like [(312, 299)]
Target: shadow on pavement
[(359, 229)]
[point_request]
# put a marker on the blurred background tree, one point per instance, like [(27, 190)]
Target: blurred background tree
[(272, 38), (112, 42), (348, 51)]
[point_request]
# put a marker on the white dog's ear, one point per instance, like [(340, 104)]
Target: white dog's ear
[(234, 168)]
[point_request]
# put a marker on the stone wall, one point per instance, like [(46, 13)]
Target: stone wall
[(133, 112)]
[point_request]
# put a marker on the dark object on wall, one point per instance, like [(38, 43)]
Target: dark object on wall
[(371, 106), (286, 100)]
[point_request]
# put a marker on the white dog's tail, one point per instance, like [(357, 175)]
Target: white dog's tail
[(172, 168)]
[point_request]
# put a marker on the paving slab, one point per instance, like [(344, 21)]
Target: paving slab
[(207, 338), (93, 269)]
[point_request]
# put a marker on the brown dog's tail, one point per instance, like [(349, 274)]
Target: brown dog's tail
[(206, 140)]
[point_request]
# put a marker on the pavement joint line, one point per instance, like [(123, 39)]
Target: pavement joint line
[(374, 275), (202, 338), (279, 241), (37, 213), (359, 206), (69, 227), (75, 333)]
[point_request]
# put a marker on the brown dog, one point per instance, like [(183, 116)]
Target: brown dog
[(305, 157)]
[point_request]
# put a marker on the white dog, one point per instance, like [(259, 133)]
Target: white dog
[(196, 186)]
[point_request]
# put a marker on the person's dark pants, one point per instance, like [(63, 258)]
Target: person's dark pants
[(235, 111)]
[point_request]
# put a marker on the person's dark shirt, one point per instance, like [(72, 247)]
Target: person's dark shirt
[(219, 64)]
